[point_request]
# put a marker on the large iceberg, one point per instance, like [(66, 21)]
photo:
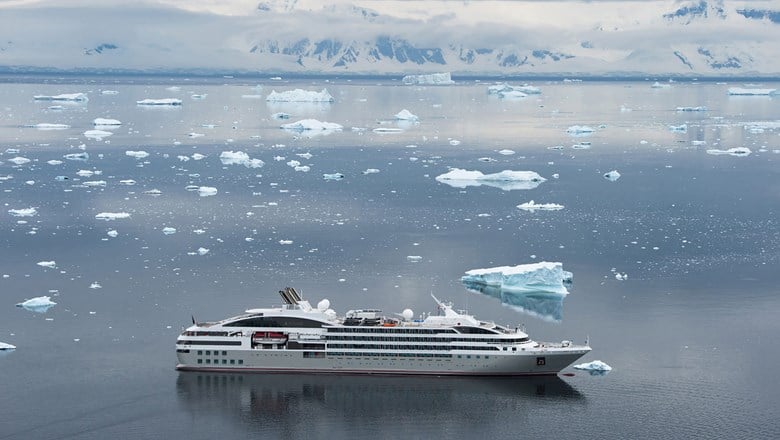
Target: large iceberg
[(299, 95), (542, 277), (506, 180), (430, 79), (74, 97)]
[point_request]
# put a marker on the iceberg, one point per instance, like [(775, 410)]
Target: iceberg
[(239, 158), (49, 264), (430, 79), (23, 212), (160, 102), (334, 176), (580, 130), (38, 304), (683, 128), (593, 366), (205, 191), (406, 115), (19, 160), (532, 206), (137, 154), (74, 97), (542, 277), (98, 135), (169, 230), (612, 175), (741, 91), (311, 124), (106, 122), (299, 95), (542, 305), (107, 216), (738, 152), (506, 180), (657, 85)]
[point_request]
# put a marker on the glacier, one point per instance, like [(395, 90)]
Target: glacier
[(542, 277), (506, 180), (435, 79)]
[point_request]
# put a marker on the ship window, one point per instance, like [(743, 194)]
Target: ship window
[(240, 362), (208, 352), (208, 361), (224, 353), (224, 361), (200, 352), (276, 321), (232, 362), (200, 361)]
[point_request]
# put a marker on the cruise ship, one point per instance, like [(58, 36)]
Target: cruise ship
[(297, 337)]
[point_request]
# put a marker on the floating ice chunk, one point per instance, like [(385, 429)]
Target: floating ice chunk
[(37, 304), (505, 88), (406, 115), (293, 163), (106, 122), (47, 126), (285, 242), (532, 206), (75, 97), (168, 230), (18, 160), (742, 91), (487, 159), (506, 180), (612, 175), (95, 183), (252, 96), (387, 130), (160, 102), (506, 152), (107, 216), (299, 95), (281, 115), (198, 156), (312, 124), (593, 366), (49, 264), (683, 128), (371, 171), (766, 125), (512, 94), (153, 192), (535, 277), (692, 109), (54, 162), (109, 92), (657, 85), (621, 276), (198, 96), (303, 168), (413, 258), (128, 182), (77, 156), (205, 191), (97, 134), (738, 152), (195, 135), (239, 158), (306, 155), (95, 285), (23, 212), (580, 130), (87, 173), (6, 347), (333, 176), (136, 154), (203, 251), (112, 233), (454, 142), (430, 79)]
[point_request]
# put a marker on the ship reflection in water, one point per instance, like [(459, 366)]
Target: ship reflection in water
[(547, 306), (289, 404)]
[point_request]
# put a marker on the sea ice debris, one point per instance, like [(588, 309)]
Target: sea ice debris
[(743, 91), (6, 347), (311, 124), (106, 122), (205, 191), (76, 97), (576, 130), (333, 176), (97, 134), (137, 154), (38, 303), (169, 230), (47, 126), (239, 158)]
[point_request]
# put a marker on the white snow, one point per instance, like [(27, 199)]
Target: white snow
[(593, 366), (430, 79), (136, 154), (23, 212), (97, 134), (544, 276), (506, 180), (239, 158), (107, 216), (77, 97), (406, 115), (163, 101), (579, 130), (532, 206), (49, 264), (205, 191), (47, 126), (742, 91), (37, 303), (106, 122), (738, 152), (312, 124), (612, 175), (299, 95)]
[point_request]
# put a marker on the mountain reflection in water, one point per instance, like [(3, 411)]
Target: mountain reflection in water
[(547, 306)]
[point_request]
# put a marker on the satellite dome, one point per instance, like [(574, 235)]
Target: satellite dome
[(407, 314), (323, 305)]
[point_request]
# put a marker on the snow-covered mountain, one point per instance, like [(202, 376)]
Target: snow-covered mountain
[(608, 37)]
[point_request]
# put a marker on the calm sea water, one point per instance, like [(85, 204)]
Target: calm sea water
[(690, 334)]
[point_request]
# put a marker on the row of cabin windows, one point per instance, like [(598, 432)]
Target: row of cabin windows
[(208, 352), (404, 355), (414, 347), (224, 361), (422, 339), (390, 330)]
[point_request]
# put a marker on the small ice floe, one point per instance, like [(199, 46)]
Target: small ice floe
[(95, 183), (198, 96), (387, 130), (312, 125), (737, 152), (580, 130), (657, 85), (698, 143), (406, 115), (205, 191), (612, 175), (173, 89), (108, 216), (413, 258), (137, 154), (127, 182), (38, 304), (285, 242), (433, 79), (46, 126), (333, 176), (621, 276), (97, 135), (505, 152), (293, 163), (683, 128), (370, 171), (239, 158), (532, 206), (19, 160), (510, 95), (700, 108), (54, 162), (597, 366), (306, 155), (153, 192), (105, 122), (168, 230), (299, 95), (95, 285), (77, 156), (109, 92), (742, 91), (454, 142), (487, 159), (302, 168), (504, 88), (506, 180), (546, 277), (252, 96), (281, 115), (197, 156), (49, 264), (195, 135), (73, 97), (6, 347), (112, 233), (203, 251), (171, 102), (23, 212)]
